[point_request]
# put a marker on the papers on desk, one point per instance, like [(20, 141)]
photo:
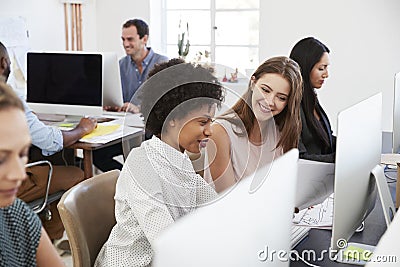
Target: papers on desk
[(318, 216), (108, 131), (134, 120), (101, 130)]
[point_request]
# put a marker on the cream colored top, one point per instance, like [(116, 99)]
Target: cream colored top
[(247, 157)]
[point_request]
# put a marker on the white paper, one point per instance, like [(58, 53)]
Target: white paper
[(117, 134), (134, 120), (317, 216)]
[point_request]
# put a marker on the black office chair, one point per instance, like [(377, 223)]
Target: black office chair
[(40, 205)]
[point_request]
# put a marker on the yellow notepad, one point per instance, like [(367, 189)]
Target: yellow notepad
[(101, 130), (357, 254)]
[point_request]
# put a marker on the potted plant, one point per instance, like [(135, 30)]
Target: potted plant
[(183, 41)]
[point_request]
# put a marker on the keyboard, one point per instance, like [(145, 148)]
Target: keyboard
[(298, 233), (113, 113)]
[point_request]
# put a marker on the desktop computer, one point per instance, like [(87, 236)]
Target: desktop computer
[(314, 183), (358, 151), (65, 83), (73, 83), (112, 90), (356, 177), (396, 115), (249, 226), (392, 160)]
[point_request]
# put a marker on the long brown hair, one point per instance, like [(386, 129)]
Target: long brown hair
[(288, 121)]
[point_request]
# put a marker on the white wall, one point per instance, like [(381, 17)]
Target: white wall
[(110, 17), (101, 22), (45, 22), (364, 39)]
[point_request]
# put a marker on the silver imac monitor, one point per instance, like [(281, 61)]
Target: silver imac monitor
[(112, 90), (66, 83), (314, 183), (396, 115), (358, 151), (248, 226)]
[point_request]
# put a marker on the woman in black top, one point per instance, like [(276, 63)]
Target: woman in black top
[(316, 140)]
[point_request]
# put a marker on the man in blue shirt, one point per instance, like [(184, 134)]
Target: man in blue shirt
[(137, 63), (134, 68), (49, 140)]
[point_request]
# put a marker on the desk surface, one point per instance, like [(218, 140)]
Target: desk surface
[(135, 138), (319, 240)]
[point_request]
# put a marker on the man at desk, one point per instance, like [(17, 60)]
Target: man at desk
[(134, 68), (50, 140), (137, 63)]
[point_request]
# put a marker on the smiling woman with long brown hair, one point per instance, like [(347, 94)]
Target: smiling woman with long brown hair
[(262, 125)]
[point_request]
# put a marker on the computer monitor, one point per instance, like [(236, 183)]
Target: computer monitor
[(112, 90), (315, 182), (66, 83), (396, 115), (249, 226), (387, 252), (358, 151)]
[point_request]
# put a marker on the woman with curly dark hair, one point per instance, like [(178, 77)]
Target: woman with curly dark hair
[(158, 184)]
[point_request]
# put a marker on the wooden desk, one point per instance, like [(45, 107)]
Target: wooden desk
[(128, 141), (394, 159)]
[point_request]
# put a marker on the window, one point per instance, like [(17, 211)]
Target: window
[(229, 29)]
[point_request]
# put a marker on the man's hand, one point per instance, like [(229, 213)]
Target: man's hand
[(129, 107), (111, 108), (87, 125)]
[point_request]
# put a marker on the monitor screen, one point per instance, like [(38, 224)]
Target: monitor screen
[(358, 151), (112, 90), (65, 82)]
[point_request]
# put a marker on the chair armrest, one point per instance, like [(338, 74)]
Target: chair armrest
[(38, 208)]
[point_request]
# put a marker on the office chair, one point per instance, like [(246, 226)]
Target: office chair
[(39, 205), (87, 212), (128, 144)]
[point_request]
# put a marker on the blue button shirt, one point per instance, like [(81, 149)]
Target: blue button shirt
[(131, 78), (49, 139)]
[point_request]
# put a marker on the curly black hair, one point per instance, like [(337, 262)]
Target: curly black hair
[(169, 88)]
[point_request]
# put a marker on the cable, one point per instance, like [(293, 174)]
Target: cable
[(306, 262), (63, 158), (390, 179)]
